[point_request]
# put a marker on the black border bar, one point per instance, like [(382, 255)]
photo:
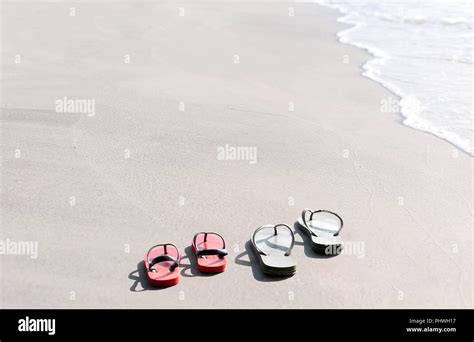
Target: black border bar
[(157, 325)]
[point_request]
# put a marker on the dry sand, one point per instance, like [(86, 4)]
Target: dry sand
[(96, 191)]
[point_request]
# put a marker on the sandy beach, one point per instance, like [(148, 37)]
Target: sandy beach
[(169, 86)]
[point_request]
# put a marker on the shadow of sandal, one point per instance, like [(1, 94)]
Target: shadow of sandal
[(139, 278)]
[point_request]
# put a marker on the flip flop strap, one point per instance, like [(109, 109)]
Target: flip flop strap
[(220, 252), (305, 211), (165, 247), (162, 258), (303, 216), (288, 252)]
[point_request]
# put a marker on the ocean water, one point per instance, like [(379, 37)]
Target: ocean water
[(423, 52)]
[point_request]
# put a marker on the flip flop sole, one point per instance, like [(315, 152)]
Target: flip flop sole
[(163, 283), (273, 271), (212, 269), (162, 277), (331, 246), (211, 264)]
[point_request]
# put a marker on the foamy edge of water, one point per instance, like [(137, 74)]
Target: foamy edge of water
[(410, 118)]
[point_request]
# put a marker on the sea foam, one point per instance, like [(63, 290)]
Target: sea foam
[(423, 52)]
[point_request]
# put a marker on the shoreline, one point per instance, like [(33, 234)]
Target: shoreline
[(378, 55), (95, 192)]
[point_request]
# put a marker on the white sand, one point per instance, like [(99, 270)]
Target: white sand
[(405, 194)]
